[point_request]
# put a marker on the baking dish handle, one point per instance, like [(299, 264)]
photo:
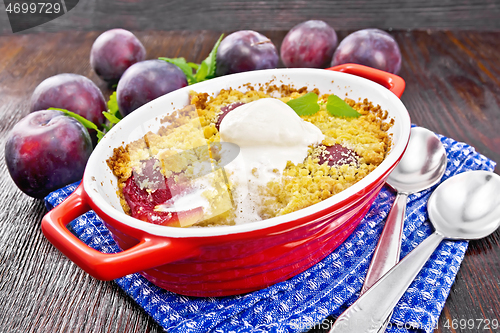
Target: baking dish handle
[(394, 83), (148, 253)]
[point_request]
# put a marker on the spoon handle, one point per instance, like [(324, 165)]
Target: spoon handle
[(370, 311), (388, 249)]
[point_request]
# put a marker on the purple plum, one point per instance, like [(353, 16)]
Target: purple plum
[(113, 52), (146, 80), (47, 150), (309, 44), (245, 50), (72, 92), (370, 47)]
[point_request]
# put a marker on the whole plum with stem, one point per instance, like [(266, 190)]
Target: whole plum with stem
[(370, 47), (47, 150), (113, 52), (245, 50), (309, 44), (145, 81), (72, 92)]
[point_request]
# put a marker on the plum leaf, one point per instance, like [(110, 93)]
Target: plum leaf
[(111, 117), (305, 105), (204, 71), (113, 114), (210, 61), (337, 107), (113, 105), (193, 65), (185, 67), (84, 121)]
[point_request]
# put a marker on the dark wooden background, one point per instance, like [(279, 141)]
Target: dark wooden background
[(224, 15), (451, 65)]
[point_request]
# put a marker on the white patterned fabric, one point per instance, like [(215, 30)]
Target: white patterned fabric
[(301, 302)]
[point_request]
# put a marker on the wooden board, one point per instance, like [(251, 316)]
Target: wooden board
[(453, 88), (233, 15)]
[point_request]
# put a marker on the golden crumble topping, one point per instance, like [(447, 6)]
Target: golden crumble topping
[(181, 146)]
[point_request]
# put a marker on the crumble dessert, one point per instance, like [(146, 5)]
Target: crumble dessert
[(240, 157)]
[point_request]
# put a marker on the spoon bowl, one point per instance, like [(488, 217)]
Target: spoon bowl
[(422, 166), (465, 206)]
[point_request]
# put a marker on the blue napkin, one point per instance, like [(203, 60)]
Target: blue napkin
[(328, 288)]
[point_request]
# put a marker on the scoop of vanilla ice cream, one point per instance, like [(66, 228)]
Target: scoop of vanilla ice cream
[(269, 134), (268, 121)]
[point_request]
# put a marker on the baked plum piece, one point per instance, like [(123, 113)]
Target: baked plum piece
[(225, 110), (338, 155), (147, 188)]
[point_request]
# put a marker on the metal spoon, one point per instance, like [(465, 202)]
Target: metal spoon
[(422, 166), (466, 206)]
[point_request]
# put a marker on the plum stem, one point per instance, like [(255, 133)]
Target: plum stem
[(261, 42)]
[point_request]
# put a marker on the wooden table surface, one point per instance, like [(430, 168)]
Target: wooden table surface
[(453, 88)]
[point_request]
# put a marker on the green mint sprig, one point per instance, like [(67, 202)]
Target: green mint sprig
[(307, 105), (337, 107), (203, 71)]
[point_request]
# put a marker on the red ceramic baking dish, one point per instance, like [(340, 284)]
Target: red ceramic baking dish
[(227, 260)]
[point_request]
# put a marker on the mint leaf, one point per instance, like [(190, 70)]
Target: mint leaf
[(185, 67), (338, 108), (305, 105)]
